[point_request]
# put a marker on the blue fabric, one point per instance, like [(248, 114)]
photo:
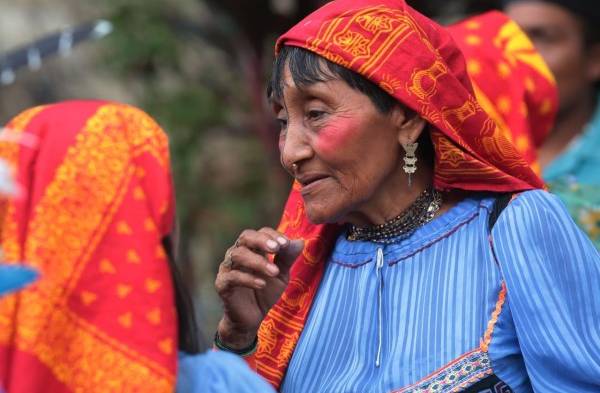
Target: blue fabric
[(217, 372), (13, 277), (552, 274), (575, 177), (580, 161), (432, 299)]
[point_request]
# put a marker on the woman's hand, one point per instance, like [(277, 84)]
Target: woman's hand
[(249, 284)]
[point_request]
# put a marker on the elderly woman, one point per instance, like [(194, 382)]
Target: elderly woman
[(397, 265)]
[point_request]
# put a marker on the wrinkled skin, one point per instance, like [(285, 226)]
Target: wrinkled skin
[(347, 156)]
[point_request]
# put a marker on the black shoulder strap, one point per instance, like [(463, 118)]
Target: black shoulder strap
[(499, 204)]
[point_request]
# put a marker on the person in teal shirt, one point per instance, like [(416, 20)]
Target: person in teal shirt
[(575, 177), (567, 35)]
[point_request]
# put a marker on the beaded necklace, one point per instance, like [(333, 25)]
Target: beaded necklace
[(419, 213)]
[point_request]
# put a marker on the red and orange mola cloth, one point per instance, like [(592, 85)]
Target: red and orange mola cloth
[(417, 62), (96, 201), (511, 80)]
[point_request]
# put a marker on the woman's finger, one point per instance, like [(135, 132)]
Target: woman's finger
[(227, 263), (277, 236), (288, 254), (226, 281), (245, 259), (260, 241)]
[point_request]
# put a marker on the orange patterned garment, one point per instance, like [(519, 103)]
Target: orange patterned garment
[(512, 82), (417, 62), (97, 200)]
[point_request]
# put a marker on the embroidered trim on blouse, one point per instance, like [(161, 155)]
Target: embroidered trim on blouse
[(487, 337), (459, 374)]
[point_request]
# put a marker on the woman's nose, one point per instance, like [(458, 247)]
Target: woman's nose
[(294, 147)]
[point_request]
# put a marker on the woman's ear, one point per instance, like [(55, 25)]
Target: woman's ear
[(408, 124)]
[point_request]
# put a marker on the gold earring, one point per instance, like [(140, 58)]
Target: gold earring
[(410, 160)]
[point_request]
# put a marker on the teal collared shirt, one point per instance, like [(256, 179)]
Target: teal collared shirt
[(575, 177)]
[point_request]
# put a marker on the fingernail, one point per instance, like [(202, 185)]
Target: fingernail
[(282, 240), (272, 269), (260, 282), (272, 244)]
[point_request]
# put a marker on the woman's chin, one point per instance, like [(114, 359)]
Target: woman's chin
[(315, 218), (318, 215)]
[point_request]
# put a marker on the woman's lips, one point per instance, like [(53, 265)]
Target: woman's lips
[(309, 183)]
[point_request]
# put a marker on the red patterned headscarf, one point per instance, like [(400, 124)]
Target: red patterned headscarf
[(417, 62), (511, 81), (96, 201)]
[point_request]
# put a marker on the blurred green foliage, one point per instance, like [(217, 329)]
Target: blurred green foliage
[(226, 174)]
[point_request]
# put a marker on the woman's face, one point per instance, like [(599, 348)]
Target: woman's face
[(558, 35), (346, 151)]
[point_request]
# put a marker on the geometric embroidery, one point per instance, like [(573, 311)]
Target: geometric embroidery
[(471, 373)]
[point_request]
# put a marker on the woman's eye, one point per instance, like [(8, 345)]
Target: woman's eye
[(544, 36), (315, 114), (282, 123)]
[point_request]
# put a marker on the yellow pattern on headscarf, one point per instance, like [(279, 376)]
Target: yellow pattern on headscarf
[(518, 48)]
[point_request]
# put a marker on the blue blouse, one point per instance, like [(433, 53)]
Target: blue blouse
[(442, 311), (217, 372)]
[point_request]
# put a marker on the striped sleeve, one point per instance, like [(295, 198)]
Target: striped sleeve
[(552, 274)]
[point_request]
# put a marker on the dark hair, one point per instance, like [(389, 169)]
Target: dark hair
[(591, 33), (190, 340), (307, 68)]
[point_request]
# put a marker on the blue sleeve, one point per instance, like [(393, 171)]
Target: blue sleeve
[(218, 372), (14, 277), (552, 275)]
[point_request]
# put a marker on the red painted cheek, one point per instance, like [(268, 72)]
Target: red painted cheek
[(337, 137)]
